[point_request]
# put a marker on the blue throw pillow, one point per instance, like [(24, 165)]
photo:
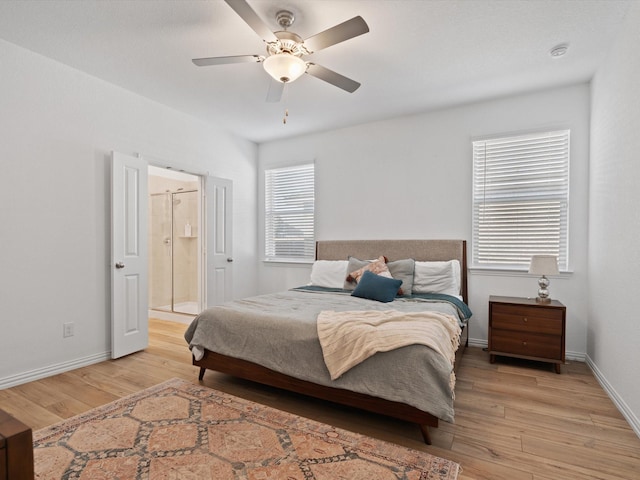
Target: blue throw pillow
[(376, 287)]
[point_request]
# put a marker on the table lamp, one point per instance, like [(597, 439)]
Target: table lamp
[(543, 265)]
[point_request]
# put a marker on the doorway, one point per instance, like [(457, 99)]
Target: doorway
[(175, 239), (133, 272)]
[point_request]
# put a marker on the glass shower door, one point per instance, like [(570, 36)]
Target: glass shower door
[(160, 243), (185, 252)]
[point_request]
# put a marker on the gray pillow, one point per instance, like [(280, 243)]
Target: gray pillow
[(403, 270)]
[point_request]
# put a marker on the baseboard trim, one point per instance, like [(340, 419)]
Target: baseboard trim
[(624, 409), (50, 370), (577, 356), (478, 342)]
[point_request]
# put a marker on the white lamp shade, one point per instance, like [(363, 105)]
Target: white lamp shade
[(544, 265), (284, 67)]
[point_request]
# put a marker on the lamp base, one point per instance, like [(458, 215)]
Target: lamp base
[(543, 291)]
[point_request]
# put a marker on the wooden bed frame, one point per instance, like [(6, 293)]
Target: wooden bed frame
[(420, 250)]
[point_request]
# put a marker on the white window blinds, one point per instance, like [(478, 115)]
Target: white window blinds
[(289, 213), (520, 199)]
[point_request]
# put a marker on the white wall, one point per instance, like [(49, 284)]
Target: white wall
[(57, 127), (614, 221), (411, 178)]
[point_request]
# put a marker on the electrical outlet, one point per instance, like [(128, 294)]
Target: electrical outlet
[(67, 329)]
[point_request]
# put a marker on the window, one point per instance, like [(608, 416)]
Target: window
[(520, 199), (289, 213)]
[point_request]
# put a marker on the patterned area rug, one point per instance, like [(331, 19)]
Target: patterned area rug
[(178, 430)]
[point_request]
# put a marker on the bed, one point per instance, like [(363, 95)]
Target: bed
[(400, 383)]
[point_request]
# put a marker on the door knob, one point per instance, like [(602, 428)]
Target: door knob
[(229, 259), (119, 265)]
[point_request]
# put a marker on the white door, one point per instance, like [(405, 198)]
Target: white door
[(129, 270), (218, 244)]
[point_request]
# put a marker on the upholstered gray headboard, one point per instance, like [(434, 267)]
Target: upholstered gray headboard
[(421, 250)]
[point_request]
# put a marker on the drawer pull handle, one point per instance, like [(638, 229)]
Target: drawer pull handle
[(524, 343), (525, 319)]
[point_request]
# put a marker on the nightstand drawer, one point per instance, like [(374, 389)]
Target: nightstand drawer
[(526, 344), (527, 319)]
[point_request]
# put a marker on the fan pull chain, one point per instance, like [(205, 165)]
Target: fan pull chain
[(286, 109)]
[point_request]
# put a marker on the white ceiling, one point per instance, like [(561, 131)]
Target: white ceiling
[(419, 54)]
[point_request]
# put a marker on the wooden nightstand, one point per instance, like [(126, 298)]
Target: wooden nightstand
[(524, 328)]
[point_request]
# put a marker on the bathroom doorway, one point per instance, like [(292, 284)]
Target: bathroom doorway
[(175, 240)]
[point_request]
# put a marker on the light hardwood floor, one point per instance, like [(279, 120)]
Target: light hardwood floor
[(514, 420)]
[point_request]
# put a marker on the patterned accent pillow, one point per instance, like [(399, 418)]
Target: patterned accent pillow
[(378, 266)]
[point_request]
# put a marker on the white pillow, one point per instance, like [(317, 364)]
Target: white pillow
[(437, 277), (329, 273)]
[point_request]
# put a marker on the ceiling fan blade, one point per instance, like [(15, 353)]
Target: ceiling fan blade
[(275, 91), (333, 78), (344, 31), (205, 62), (242, 8)]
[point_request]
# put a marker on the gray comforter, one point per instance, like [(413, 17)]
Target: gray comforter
[(279, 332)]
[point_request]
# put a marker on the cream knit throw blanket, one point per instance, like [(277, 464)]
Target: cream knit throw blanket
[(348, 338)]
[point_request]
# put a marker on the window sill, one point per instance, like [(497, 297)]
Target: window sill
[(284, 262), (513, 272)]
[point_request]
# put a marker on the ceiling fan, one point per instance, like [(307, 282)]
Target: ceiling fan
[(283, 61)]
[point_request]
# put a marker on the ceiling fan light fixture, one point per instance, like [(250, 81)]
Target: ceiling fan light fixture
[(284, 67)]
